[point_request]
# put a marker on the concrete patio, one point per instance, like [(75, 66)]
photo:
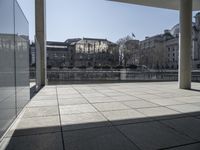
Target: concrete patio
[(115, 116)]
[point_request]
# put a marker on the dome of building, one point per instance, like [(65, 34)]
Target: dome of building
[(176, 29), (198, 14)]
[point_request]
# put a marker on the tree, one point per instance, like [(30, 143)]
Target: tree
[(128, 48)]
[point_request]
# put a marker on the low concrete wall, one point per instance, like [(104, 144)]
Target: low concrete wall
[(115, 75)]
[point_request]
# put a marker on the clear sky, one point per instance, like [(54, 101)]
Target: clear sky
[(100, 19)]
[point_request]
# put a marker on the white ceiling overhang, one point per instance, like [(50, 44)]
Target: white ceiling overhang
[(168, 4)]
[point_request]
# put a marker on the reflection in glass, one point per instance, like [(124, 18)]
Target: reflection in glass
[(7, 70), (21, 58), (14, 74)]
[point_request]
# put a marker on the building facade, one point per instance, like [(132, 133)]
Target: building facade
[(83, 53), (196, 45), (58, 55), (32, 55), (91, 52), (162, 51), (152, 53)]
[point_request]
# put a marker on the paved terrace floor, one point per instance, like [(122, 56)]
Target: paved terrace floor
[(118, 116)]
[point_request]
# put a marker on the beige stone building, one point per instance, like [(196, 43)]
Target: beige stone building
[(162, 51), (90, 52), (152, 52)]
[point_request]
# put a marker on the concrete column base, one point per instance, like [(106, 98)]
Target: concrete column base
[(185, 44)]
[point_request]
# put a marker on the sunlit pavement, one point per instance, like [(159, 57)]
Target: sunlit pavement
[(116, 116)]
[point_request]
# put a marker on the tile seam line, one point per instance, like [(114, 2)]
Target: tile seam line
[(112, 125), (33, 134), (168, 148), (179, 132), (152, 102), (59, 114)]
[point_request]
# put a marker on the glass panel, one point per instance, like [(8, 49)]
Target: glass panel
[(22, 58), (7, 71)]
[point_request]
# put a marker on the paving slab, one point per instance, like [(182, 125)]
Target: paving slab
[(115, 94), (42, 103), (124, 116), (72, 101), (50, 141), (30, 112), (61, 96), (106, 138), (82, 121), (187, 125), (125, 98), (44, 97), (100, 99), (157, 111), (36, 125), (46, 93), (185, 108), (110, 106), (166, 101), (153, 135), (75, 109), (139, 104), (195, 146), (96, 94), (190, 99), (148, 96)]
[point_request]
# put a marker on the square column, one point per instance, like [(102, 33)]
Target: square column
[(40, 29), (185, 44)]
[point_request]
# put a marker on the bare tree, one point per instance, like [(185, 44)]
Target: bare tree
[(123, 49), (128, 49)]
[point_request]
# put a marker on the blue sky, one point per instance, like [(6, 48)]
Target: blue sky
[(100, 19)]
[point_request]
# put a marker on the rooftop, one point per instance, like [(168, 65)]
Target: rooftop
[(94, 39), (56, 43), (114, 116)]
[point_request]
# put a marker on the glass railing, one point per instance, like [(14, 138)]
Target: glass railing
[(76, 74)]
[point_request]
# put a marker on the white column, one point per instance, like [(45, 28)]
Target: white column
[(185, 44), (40, 29)]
